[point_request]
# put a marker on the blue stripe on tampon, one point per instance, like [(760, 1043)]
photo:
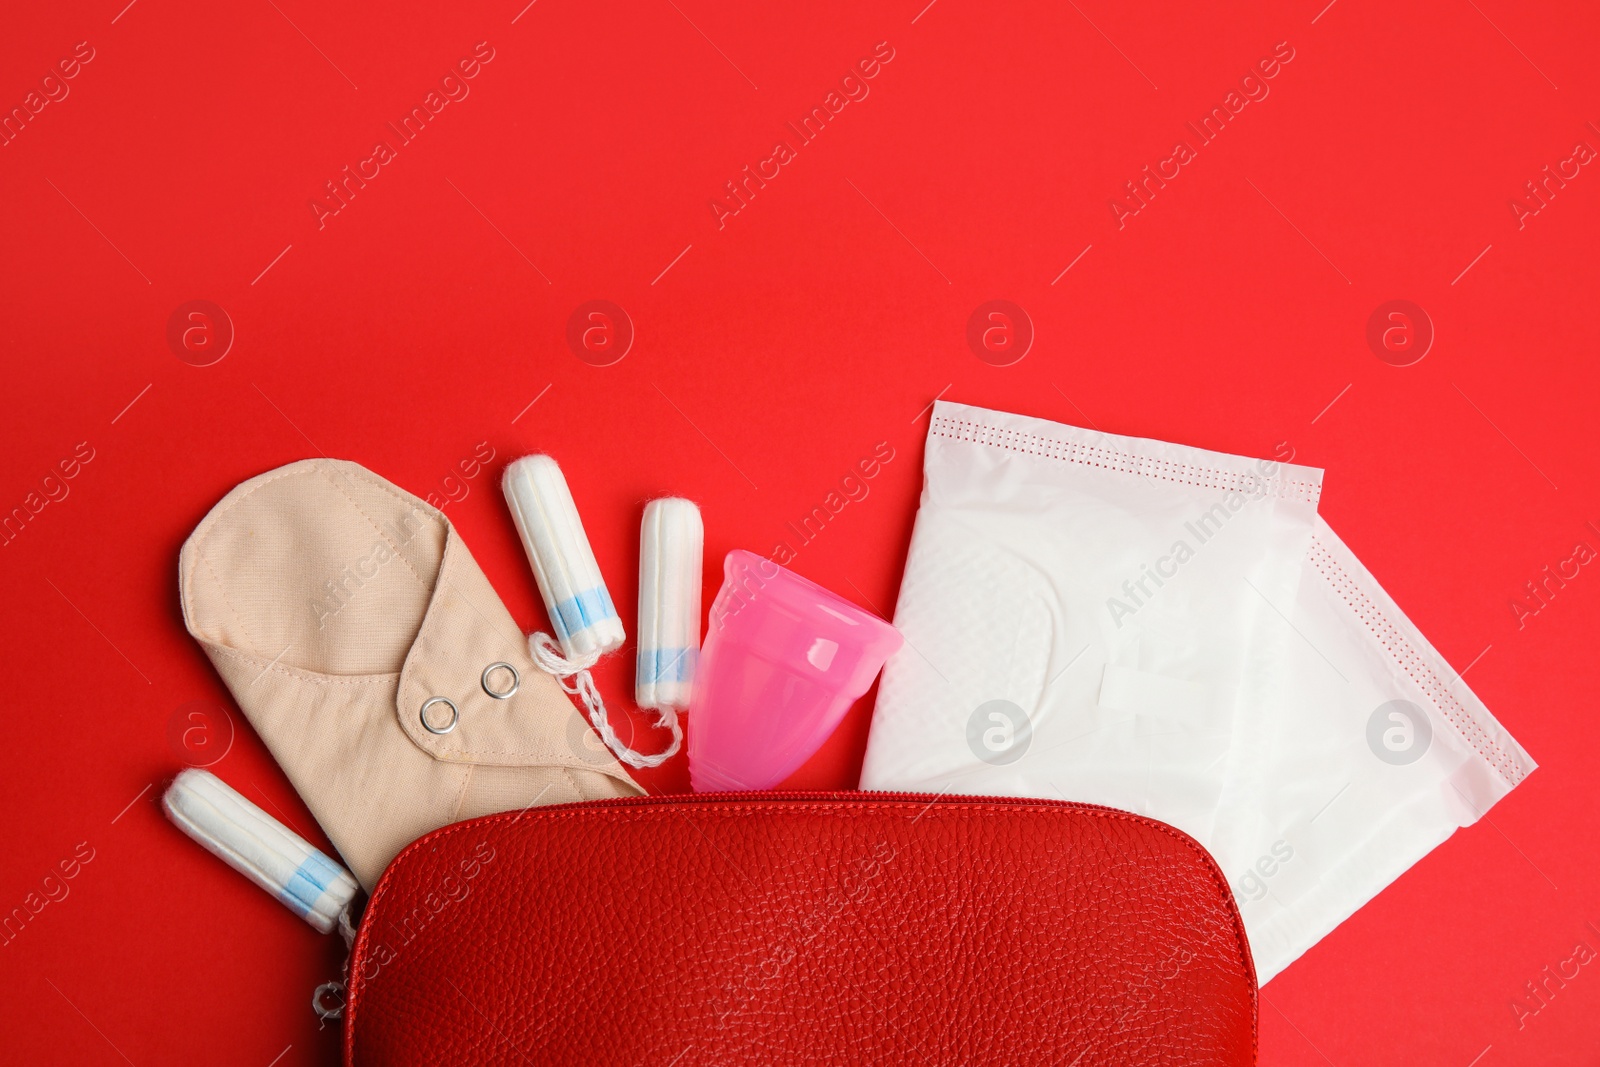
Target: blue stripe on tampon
[(578, 613), (309, 881), (666, 664)]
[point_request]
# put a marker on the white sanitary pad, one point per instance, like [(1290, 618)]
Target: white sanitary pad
[(1155, 627), (1084, 615), (1374, 754)]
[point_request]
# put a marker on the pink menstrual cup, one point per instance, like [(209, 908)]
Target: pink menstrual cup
[(782, 662)]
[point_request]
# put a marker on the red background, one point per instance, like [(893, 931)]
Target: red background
[(770, 356)]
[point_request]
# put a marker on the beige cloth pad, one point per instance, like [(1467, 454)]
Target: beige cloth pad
[(334, 605)]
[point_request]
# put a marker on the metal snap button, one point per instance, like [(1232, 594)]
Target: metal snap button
[(320, 997), (455, 715), (501, 694)]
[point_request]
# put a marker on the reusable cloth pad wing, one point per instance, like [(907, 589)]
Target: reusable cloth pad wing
[(335, 605), (1374, 754), (1083, 615)]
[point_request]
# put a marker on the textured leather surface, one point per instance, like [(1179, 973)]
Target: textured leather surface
[(803, 928)]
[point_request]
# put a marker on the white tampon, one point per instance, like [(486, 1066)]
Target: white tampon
[(670, 551), (575, 595), (258, 846)]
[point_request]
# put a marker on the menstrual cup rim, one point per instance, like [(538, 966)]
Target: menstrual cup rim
[(793, 590)]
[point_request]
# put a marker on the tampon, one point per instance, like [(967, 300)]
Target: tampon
[(575, 596), (670, 548), (259, 847)]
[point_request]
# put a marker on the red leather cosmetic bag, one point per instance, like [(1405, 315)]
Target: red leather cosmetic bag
[(772, 928)]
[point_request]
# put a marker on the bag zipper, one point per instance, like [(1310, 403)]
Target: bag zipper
[(749, 795)]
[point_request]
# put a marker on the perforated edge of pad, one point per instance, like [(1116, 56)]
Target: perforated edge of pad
[(1087, 455)]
